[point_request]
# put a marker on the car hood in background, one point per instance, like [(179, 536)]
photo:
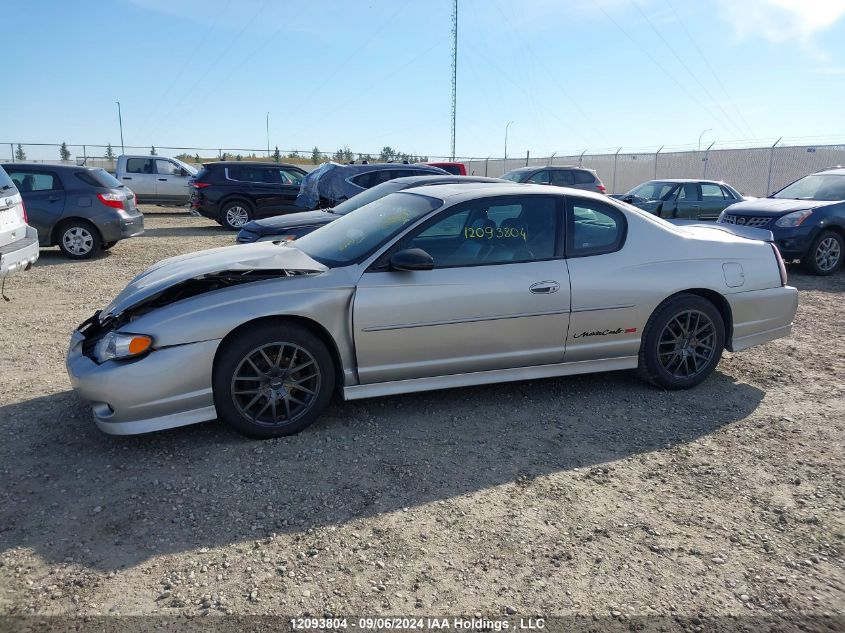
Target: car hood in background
[(169, 272), (776, 206), (289, 221)]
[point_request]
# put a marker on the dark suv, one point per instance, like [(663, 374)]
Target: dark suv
[(236, 192), (574, 177), (807, 219)]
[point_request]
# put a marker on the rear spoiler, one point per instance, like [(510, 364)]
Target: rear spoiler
[(734, 229)]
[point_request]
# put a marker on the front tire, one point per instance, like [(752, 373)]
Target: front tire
[(272, 380), (79, 239), (235, 214), (683, 342), (825, 254)]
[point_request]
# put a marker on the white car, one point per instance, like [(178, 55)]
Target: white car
[(18, 240)]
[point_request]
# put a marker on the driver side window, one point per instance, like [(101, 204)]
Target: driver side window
[(491, 231)]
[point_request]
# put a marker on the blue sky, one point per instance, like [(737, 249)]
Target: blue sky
[(572, 75)]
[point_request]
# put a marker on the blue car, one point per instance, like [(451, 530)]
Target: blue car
[(807, 219), (332, 183)]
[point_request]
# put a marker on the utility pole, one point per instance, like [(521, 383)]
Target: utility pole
[(454, 71), (506, 144), (268, 135), (120, 120)]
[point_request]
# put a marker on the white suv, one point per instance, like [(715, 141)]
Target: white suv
[(18, 240)]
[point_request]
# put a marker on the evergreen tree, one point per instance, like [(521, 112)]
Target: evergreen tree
[(19, 153), (64, 152), (153, 151), (109, 152), (197, 158), (239, 157), (316, 155), (277, 155)]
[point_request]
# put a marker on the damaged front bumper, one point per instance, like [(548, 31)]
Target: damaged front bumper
[(167, 388)]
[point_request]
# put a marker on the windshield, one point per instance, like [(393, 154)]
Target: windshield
[(356, 235), (816, 187), (366, 197), (653, 190), (514, 176)]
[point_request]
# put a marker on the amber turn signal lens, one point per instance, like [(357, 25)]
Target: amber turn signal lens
[(139, 344)]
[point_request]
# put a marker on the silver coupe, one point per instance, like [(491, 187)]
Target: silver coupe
[(442, 286)]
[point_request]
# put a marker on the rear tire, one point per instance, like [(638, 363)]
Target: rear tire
[(683, 342), (825, 254), (79, 239), (235, 214), (272, 380)]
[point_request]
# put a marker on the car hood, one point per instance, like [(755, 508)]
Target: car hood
[(238, 260), (289, 221), (776, 206)]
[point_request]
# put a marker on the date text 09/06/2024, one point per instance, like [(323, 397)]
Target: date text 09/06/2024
[(416, 623)]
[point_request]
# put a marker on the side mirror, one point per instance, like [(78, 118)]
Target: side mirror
[(411, 259)]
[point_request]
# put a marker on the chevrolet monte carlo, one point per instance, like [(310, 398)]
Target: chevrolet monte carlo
[(443, 286)]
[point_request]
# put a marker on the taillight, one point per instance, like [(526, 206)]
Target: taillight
[(23, 209), (200, 185), (781, 265), (113, 200), (601, 188)]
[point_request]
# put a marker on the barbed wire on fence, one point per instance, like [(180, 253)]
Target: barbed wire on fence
[(755, 171)]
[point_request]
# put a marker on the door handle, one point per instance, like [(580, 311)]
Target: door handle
[(163, 179), (127, 177), (544, 287), (54, 198)]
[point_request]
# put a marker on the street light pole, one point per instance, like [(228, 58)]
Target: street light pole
[(506, 144), (120, 120), (268, 135), (703, 132)]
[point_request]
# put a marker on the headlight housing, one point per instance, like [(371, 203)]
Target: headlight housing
[(115, 345), (794, 219)]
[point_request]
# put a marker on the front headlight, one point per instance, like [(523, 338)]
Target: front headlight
[(115, 345), (794, 219)]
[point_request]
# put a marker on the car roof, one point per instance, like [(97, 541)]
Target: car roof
[(18, 165), (253, 163), (443, 179), (362, 168), (536, 167), (714, 182), (838, 170), (459, 192)]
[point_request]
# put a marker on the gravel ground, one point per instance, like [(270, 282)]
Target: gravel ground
[(596, 495)]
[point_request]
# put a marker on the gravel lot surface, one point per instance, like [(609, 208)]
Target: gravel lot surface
[(596, 495)]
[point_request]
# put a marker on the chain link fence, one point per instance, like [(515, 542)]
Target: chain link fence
[(755, 171)]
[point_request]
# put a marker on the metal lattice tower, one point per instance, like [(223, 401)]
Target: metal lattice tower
[(454, 70)]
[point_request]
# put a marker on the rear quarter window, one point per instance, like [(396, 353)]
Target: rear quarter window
[(594, 228), (584, 178), (6, 183), (98, 178)]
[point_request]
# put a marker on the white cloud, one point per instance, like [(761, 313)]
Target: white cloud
[(782, 20)]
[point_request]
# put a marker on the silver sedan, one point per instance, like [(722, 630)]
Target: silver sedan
[(438, 287)]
